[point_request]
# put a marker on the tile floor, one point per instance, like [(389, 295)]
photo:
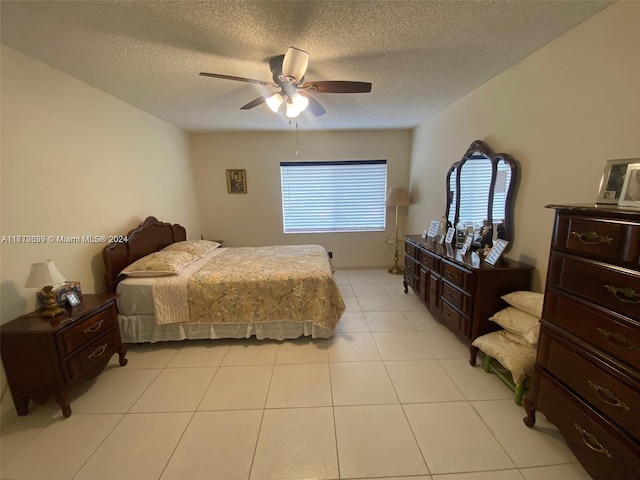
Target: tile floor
[(391, 396)]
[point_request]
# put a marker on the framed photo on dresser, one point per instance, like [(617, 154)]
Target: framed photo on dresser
[(496, 252), (613, 180), (630, 194)]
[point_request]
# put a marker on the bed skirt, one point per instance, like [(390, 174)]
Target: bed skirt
[(144, 329)]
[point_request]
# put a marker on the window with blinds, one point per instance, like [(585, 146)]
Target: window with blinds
[(339, 196)]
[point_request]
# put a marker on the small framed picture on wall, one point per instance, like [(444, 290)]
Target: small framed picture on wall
[(236, 181)]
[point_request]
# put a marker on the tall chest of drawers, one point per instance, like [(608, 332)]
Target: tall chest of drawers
[(587, 373)]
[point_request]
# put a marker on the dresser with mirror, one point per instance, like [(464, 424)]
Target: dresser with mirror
[(463, 291)]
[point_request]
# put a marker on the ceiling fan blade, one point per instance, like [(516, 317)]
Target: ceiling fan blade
[(337, 86), (295, 63), (253, 103), (314, 106), (239, 79)]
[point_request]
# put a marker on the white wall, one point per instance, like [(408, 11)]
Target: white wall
[(76, 161), (256, 218), (561, 112)]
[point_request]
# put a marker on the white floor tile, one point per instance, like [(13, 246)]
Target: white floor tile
[(251, 352), (60, 450), (369, 290), (137, 449), (346, 291), (423, 321), (361, 383), (351, 304), (303, 350), (453, 438), (352, 322), (238, 388), (353, 347), (387, 322), (296, 443), (494, 475), (114, 391), (149, 355), (421, 381), (200, 353), (401, 346), (408, 302), (300, 385), (572, 471), (377, 304), (474, 382), (364, 277), (376, 440), (175, 390), (444, 344), (216, 446), (528, 447), (340, 277)]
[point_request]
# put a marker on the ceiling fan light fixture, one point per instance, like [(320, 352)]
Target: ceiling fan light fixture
[(300, 101), (274, 102), (292, 110)]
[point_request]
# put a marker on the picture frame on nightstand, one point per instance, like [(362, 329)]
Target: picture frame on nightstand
[(73, 300)]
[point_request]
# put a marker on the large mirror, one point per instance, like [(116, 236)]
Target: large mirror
[(480, 195)]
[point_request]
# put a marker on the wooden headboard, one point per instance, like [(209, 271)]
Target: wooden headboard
[(150, 236)]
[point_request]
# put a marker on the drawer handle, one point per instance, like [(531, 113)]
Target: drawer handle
[(590, 440), (608, 397), (451, 275), (98, 352), (95, 327), (591, 238), (626, 295), (618, 340)]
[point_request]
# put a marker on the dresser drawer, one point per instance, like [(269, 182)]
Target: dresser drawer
[(456, 320), (606, 239), (412, 265), (428, 260), (613, 334), (88, 329), (456, 298), (592, 381), (617, 289), (457, 276), (410, 249), (601, 449), (99, 350)]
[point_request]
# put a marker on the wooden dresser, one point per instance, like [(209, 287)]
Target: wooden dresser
[(44, 357), (461, 292), (587, 374)]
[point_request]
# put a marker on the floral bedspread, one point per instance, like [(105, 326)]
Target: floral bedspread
[(265, 284)]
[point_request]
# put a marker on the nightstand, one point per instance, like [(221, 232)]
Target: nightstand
[(45, 357)]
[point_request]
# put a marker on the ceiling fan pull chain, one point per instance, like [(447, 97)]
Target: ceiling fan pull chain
[(297, 142)]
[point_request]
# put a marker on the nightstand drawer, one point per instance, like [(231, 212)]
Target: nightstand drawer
[(88, 329), (93, 354)]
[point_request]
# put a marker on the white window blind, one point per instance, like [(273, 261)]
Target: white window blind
[(341, 196)]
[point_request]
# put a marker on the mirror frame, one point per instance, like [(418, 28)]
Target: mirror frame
[(480, 148)]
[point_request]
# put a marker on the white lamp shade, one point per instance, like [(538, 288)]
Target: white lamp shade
[(43, 274), (274, 102), (295, 63), (299, 101), (292, 111), (398, 196)]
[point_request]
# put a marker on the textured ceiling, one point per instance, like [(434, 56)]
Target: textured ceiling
[(420, 56)]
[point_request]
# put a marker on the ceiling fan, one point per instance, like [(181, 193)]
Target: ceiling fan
[(288, 75)]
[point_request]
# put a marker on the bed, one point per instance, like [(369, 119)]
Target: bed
[(174, 289)]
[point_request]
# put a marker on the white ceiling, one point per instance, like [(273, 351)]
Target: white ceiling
[(420, 56)]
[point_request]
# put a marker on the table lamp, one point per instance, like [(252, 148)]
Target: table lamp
[(397, 197), (47, 276)]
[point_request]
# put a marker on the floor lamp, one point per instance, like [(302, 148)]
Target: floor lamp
[(397, 197)]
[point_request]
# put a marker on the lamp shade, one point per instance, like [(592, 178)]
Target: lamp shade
[(398, 196), (43, 274)]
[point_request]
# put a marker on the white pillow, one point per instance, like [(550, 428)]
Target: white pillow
[(159, 264), (518, 323), (519, 359), (529, 302), (198, 248)]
